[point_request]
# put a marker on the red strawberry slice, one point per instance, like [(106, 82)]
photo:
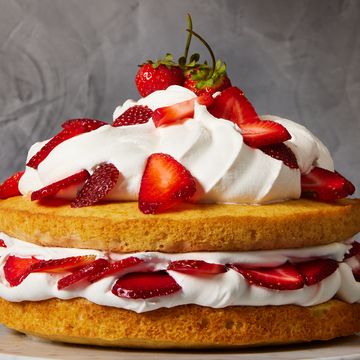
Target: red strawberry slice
[(82, 273), (83, 125), (165, 183), (116, 267), (16, 269), (2, 243), (144, 285), (354, 263), (54, 188), (62, 265), (314, 271), (353, 259), (325, 185), (263, 132), (10, 187), (355, 250), (72, 128), (97, 186), (231, 104), (356, 274), (196, 267), (137, 114), (281, 152), (180, 111), (284, 277)]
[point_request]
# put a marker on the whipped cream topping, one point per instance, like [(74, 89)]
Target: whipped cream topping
[(227, 170), (216, 291)]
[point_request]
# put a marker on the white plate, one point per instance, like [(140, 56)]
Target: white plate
[(15, 346)]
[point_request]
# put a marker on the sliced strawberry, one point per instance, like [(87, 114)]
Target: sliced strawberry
[(97, 186), (10, 187), (137, 114), (314, 271), (54, 188), (356, 274), (83, 125), (355, 250), (115, 267), (62, 265), (164, 184), (16, 269), (180, 111), (263, 132), (281, 152), (144, 285), (196, 267), (231, 104), (82, 273), (325, 185), (2, 243), (352, 259), (72, 128), (284, 277)]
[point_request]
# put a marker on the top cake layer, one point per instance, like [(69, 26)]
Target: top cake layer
[(120, 227)]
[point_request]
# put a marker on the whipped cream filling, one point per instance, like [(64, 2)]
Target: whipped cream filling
[(216, 291), (227, 170)]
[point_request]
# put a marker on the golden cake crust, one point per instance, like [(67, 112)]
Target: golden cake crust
[(121, 227), (188, 326)]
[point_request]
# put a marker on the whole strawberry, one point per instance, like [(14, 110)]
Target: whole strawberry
[(158, 76), (202, 80)]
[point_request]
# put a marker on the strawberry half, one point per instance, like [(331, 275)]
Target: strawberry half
[(72, 128), (82, 126), (231, 104), (82, 273), (116, 267), (97, 186), (281, 152), (180, 111), (263, 132), (10, 187), (62, 265), (144, 285), (325, 185), (314, 271), (284, 277), (196, 267), (353, 259), (355, 250), (16, 269), (59, 185), (165, 183), (356, 274), (137, 114), (2, 243)]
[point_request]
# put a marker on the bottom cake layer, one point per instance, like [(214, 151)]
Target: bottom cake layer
[(188, 326)]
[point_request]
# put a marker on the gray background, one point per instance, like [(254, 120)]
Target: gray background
[(61, 59)]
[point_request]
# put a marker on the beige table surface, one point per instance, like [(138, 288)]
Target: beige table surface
[(15, 346)]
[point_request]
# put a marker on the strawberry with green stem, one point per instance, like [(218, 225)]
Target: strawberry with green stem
[(201, 78), (159, 75)]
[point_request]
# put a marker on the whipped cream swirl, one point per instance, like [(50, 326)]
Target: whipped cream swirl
[(216, 291), (227, 170)]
